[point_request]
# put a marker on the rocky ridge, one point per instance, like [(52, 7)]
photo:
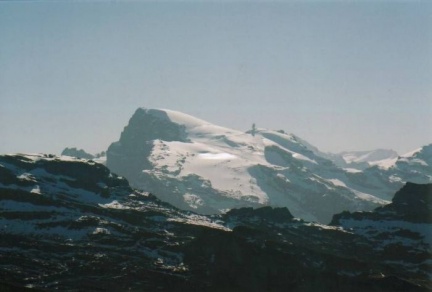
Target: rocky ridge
[(70, 224)]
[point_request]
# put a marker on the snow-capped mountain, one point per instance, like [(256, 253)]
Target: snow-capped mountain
[(415, 166), (69, 224), (359, 160), (198, 166), (364, 159), (371, 157), (80, 153)]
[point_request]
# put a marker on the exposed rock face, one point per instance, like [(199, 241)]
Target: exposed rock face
[(413, 202), (70, 224), (78, 153), (264, 214), (130, 155), (406, 222)]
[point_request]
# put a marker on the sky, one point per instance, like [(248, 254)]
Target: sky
[(346, 75)]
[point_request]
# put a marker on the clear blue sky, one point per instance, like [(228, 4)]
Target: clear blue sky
[(344, 76)]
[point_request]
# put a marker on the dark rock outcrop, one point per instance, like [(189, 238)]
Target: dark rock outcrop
[(260, 216), (78, 153), (129, 156), (400, 233), (412, 203)]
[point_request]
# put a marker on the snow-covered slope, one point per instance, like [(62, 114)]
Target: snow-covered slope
[(415, 166), (372, 157), (358, 160), (198, 166), (420, 158)]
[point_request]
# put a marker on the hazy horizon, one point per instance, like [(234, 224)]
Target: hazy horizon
[(342, 76)]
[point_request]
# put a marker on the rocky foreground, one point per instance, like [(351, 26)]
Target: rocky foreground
[(70, 224)]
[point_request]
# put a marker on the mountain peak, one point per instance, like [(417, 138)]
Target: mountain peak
[(171, 116), (150, 124), (422, 151), (371, 156)]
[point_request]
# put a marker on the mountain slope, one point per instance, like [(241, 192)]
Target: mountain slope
[(69, 224), (198, 166), (371, 157), (415, 166)]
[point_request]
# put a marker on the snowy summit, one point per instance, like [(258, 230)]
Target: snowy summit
[(196, 165)]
